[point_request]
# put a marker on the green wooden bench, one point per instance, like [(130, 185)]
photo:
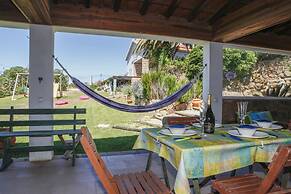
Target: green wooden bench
[(67, 146)]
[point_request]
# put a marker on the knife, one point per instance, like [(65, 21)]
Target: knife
[(233, 137)]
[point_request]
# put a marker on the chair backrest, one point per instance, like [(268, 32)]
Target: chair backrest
[(96, 161), (281, 159), (264, 115), (172, 120)]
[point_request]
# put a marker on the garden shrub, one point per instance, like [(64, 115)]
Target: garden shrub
[(126, 90), (137, 91)]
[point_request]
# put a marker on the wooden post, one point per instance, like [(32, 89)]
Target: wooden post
[(149, 161), (74, 138), (11, 119)]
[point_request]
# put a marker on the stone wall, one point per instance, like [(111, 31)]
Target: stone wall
[(279, 107), (268, 78)]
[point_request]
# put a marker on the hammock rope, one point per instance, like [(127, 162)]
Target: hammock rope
[(124, 107)]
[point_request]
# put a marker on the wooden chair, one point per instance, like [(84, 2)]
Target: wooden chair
[(252, 184), (172, 120), (141, 182)]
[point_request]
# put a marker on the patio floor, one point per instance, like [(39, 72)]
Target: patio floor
[(59, 177)]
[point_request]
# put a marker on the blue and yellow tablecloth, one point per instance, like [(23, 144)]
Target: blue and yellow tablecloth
[(212, 155)]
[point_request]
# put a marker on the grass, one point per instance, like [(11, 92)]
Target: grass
[(107, 139)]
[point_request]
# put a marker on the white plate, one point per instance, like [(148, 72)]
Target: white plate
[(257, 135), (199, 125), (187, 133), (274, 126)]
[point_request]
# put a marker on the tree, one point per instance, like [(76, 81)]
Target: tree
[(8, 78), (155, 51), (193, 62), (60, 76)]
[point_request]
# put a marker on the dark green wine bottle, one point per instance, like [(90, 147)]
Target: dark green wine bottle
[(209, 123)]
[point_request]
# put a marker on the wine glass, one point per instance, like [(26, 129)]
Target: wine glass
[(242, 111), (202, 111)]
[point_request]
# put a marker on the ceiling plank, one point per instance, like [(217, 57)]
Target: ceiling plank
[(87, 3), (259, 40), (195, 11), (126, 21), (37, 12), (144, 7), (116, 5), (8, 12), (172, 8), (206, 9), (222, 10), (256, 16), (282, 28)]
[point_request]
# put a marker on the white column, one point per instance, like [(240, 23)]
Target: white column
[(213, 77), (41, 49)]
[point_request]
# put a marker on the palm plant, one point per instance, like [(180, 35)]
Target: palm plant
[(155, 50)]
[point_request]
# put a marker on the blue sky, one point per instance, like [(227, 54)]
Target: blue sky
[(82, 54)]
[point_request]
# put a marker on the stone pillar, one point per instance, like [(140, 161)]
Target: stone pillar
[(213, 77), (114, 86), (41, 78), (145, 66)]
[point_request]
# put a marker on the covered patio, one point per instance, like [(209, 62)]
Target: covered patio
[(216, 24)]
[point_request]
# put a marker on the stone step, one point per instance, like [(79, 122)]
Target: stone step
[(188, 113), (152, 122)]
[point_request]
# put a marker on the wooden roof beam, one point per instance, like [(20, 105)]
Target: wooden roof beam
[(116, 5), (276, 42), (172, 8), (254, 17), (36, 12), (144, 7), (127, 21)]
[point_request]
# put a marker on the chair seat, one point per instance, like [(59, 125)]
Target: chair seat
[(140, 183), (245, 184)]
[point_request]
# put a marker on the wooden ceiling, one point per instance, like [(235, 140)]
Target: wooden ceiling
[(262, 23)]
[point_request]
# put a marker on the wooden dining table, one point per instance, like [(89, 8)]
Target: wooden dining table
[(210, 155)]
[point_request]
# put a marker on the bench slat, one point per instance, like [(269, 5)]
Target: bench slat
[(42, 122), (42, 111), (40, 133)]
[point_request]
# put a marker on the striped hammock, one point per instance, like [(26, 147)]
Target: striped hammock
[(124, 107)]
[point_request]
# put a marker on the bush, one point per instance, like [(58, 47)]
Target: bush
[(268, 56), (239, 61), (95, 87), (157, 85), (165, 85), (126, 90), (137, 91)]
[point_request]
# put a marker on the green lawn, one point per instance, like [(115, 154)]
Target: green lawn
[(107, 139)]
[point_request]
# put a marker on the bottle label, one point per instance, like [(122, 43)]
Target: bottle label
[(208, 128)]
